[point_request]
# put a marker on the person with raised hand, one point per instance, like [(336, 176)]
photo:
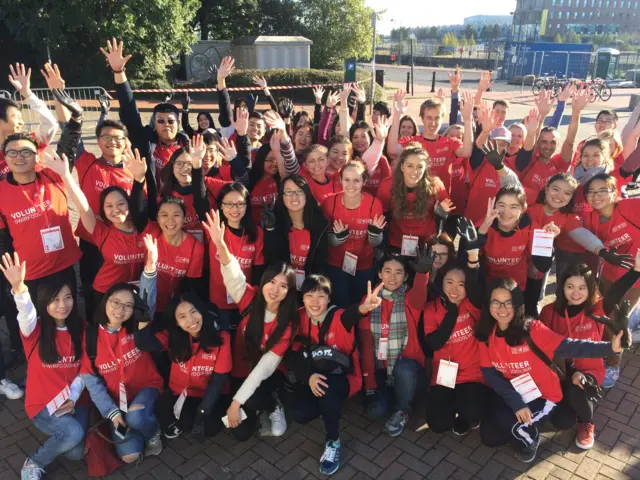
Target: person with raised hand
[(295, 230), (269, 323), (156, 142), (52, 332), (327, 126), (325, 362), (575, 314), (357, 224), (515, 360), (368, 145), (262, 83), (203, 119)]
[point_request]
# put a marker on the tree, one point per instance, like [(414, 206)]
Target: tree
[(470, 31), (339, 29), (434, 32), (573, 37), (558, 38), (155, 32), (450, 40)]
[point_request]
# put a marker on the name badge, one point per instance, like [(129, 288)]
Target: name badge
[(300, 276), (383, 348), (409, 245), (350, 263), (447, 374), (123, 397), (59, 399), (177, 407), (51, 239), (526, 387)]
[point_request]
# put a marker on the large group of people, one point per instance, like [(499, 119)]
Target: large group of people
[(266, 268)]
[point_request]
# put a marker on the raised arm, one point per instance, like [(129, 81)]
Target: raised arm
[(53, 77), (580, 100), (343, 111), (227, 66), (484, 85), (467, 119), (281, 145), (186, 127), (15, 271), (400, 107), (631, 123), (631, 141), (372, 155), (454, 81), (262, 83)]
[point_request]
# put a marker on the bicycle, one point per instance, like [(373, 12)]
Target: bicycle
[(545, 82), (599, 89)]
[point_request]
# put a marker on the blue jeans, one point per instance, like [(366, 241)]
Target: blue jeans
[(143, 424), (406, 374), (348, 289), (67, 435)]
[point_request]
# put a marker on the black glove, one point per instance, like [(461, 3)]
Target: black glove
[(268, 216), (423, 262), (186, 101), (69, 103), (212, 70), (197, 430), (285, 106), (467, 230), (619, 259), (621, 318), (592, 391), (494, 156), (105, 104), (142, 309)]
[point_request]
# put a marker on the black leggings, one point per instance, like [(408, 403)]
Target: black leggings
[(212, 422), (574, 406), (468, 400), (262, 400), (308, 407)]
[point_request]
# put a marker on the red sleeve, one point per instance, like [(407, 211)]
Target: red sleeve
[(406, 140), (417, 297), (572, 222), (384, 195), (85, 363), (441, 192), (455, 143), (247, 298), (214, 185), (485, 361), (376, 208), (559, 162), (82, 164), (385, 169), (259, 260), (367, 353), (327, 207), (100, 232), (283, 344), (197, 259), (545, 338), (31, 342), (223, 361)]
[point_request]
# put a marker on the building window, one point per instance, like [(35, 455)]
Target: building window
[(622, 4), (575, 15), (590, 15), (615, 3), (551, 14), (559, 15)]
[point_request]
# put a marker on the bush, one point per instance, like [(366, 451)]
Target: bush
[(291, 76)]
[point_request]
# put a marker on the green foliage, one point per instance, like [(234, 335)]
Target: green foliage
[(155, 32), (558, 38), (450, 40)]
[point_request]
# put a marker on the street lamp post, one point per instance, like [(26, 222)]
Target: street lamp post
[(411, 38), (374, 17)]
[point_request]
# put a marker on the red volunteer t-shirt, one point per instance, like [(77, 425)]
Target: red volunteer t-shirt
[(566, 222), (175, 263), (195, 373), (213, 186), (484, 183), (266, 190), (161, 156), (357, 221), (508, 256), (442, 154), (581, 208), (37, 217), (241, 365), (123, 255), (459, 186), (336, 337), (536, 176), (579, 327), (299, 245), (462, 346), (372, 183), (247, 254), (320, 191), (410, 224), (45, 381), (118, 359), (621, 231), (515, 361)]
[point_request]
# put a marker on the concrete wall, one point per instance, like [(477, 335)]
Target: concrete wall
[(205, 54)]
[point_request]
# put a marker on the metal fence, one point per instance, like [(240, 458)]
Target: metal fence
[(87, 98), (539, 63)]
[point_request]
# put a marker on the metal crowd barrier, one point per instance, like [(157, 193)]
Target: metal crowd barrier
[(87, 98)]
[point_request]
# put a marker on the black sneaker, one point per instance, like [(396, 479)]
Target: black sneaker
[(461, 426), (172, 431), (528, 454)]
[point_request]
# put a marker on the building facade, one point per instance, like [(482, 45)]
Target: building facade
[(479, 20), (534, 20)]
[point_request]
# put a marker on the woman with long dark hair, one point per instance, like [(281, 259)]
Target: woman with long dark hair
[(515, 354), (578, 302), (443, 251), (296, 231), (52, 337), (269, 323), (122, 380)]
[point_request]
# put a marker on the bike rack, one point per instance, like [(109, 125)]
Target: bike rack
[(523, 81)]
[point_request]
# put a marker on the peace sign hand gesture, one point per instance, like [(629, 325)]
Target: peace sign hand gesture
[(14, 272), (372, 301)]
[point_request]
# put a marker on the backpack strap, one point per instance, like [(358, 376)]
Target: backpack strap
[(326, 324), (545, 359), (91, 346)]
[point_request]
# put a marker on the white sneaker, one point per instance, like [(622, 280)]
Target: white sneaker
[(10, 389), (278, 421), (31, 471), (153, 445)]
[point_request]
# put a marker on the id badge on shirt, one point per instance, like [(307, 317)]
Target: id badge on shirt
[(59, 399), (52, 239), (123, 398), (447, 374), (409, 245), (300, 276), (177, 407), (383, 348), (350, 263), (526, 387)]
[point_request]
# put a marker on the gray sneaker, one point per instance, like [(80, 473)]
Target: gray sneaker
[(31, 471), (396, 423), (528, 454), (153, 446)]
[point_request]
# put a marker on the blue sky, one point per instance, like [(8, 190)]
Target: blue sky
[(415, 13)]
